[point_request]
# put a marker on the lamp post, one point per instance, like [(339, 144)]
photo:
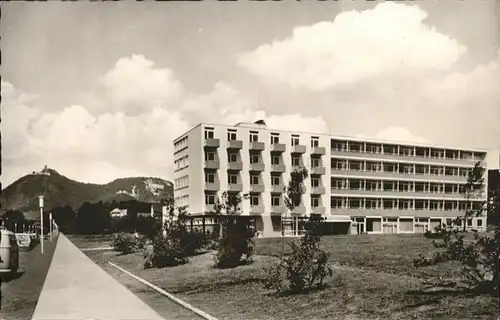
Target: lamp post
[(50, 225), (40, 204)]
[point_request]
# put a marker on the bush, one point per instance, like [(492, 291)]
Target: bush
[(165, 253), (305, 268), (236, 246), (126, 243), (192, 241)]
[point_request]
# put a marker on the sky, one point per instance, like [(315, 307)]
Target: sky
[(99, 90)]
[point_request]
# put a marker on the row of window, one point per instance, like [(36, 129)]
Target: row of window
[(182, 201), (232, 134), (276, 179), (181, 163), (181, 144), (364, 147), (255, 158), (380, 166), (402, 204), (391, 185), (181, 182)]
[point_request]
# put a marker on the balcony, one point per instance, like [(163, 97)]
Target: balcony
[(301, 209), (257, 146), (278, 168), (298, 148), (257, 167), (235, 144), (212, 164), (278, 209), (318, 190), (318, 210), (400, 176), (278, 147), (318, 151), (211, 143), (212, 186), (398, 194), (235, 187), (257, 209), (318, 170), (234, 166), (278, 188), (401, 213), (257, 188), (209, 208)]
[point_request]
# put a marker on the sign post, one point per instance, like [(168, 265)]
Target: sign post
[(40, 203)]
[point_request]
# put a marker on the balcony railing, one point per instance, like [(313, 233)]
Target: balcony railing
[(301, 209), (257, 146), (234, 166), (257, 188), (235, 144), (211, 143), (402, 176), (278, 147), (212, 164), (298, 148), (278, 168), (235, 187), (397, 194), (318, 190), (212, 186), (401, 213), (257, 209), (318, 151), (278, 209), (257, 167), (318, 210), (318, 170), (278, 188)]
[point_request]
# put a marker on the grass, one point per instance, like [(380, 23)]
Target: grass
[(374, 279), (20, 293)]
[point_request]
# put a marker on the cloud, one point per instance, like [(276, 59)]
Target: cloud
[(400, 134), (135, 85), (357, 45)]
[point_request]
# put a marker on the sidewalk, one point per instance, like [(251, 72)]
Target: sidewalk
[(77, 288)]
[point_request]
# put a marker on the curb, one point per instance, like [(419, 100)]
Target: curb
[(186, 305)]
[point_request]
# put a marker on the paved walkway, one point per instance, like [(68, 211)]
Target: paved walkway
[(77, 288)]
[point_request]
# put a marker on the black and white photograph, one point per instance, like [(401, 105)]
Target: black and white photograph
[(234, 160)]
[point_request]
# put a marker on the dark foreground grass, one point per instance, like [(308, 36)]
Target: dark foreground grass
[(91, 241), (374, 279), (20, 293)]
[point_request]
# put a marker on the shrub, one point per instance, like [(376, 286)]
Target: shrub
[(236, 246), (305, 268), (165, 253), (192, 241), (126, 243)]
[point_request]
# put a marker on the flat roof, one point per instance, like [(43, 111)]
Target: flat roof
[(341, 137)]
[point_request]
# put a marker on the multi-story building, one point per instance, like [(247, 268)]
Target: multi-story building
[(357, 185)]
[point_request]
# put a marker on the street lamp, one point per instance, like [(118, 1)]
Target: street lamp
[(40, 204), (50, 225)]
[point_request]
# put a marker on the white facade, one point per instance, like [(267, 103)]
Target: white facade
[(364, 185)]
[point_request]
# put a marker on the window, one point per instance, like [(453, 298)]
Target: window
[(373, 166), (295, 140), (275, 201), (209, 198), (449, 222), (231, 135), (275, 160), (314, 142), (254, 200), (275, 180), (254, 158), (275, 138), (373, 148), (254, 136), (355, 165), (232, 157), (233, 179), (339, 184), (209, 177), (435, 205), (469, 222), (479, 222), (372, 185), (315, 162), (295, 161), (314, 201), (254, 179), (209, 156), (339, 164), (209, 133), (339, 145), (336, 202), (315, 182), (372, 203)]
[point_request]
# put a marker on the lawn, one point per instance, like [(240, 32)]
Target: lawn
[(20, 293), (374, 279)]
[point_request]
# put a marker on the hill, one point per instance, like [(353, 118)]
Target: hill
[(59, 190)]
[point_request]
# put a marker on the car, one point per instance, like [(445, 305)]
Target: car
[(9, 252)]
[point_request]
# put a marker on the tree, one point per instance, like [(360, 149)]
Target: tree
[(235, 246), (473, 190), (13, 219), (293, 195)]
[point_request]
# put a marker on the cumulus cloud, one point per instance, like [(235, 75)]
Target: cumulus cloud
[(356, 45), (400, 134), (135, 84)]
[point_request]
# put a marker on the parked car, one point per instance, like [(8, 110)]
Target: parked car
[(24, 241), (9, 252)]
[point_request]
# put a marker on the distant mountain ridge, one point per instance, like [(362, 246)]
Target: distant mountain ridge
[(59, 190)]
